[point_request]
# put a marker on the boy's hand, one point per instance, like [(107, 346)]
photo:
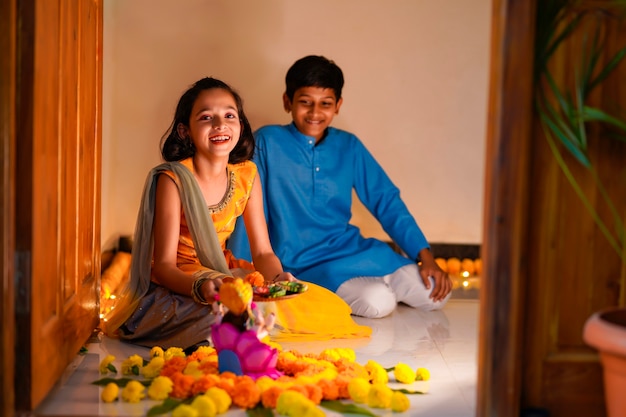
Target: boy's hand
[(430, 268), (284, 276)]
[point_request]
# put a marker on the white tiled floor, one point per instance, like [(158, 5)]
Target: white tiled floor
[(443, 341)]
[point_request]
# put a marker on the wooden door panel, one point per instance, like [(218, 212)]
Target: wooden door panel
[(574, 271), (58, 189)]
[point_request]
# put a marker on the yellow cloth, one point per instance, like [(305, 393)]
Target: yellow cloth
[(317, 314)]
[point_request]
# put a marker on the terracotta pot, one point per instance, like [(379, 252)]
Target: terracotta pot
[(606, 331)]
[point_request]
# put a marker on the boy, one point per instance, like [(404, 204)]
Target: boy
[(308, 170)]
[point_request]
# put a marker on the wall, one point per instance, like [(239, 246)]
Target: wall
[(416, 90)]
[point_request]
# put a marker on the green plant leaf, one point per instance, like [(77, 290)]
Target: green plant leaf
[(120, 382), (409, 392), (614, 62), (112, 368), (574, 150), (260, 412), (166, 406), (393, 368), (346, 408), (592, 114)]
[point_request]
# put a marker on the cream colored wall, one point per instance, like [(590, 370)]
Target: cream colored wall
[(416, 90)]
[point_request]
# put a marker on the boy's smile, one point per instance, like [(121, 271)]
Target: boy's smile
[(312, 110)]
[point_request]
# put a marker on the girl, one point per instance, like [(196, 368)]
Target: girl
[(189, 208)]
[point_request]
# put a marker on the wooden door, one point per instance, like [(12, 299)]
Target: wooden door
[(547, 267), (57, 188)]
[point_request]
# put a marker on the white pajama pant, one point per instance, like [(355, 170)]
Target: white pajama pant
[(375, 297)]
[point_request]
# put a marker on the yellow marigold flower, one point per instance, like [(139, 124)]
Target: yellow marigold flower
[(221, 399), (174, 352), (359, 389), (204, 406), (422, 374), (293, 404), (205, 349), (404, 373), (192, 369), (153, 368), (160, 388), (379, 396), (377, 373), (265, 382), (157, 351), (133, 392), (132, 365), (184, 410), (110, 392), (106, 365), (399, 402)]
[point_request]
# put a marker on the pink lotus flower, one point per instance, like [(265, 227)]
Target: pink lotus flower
[(255, 357)]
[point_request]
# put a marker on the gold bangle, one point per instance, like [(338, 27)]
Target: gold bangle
[(195, 291)]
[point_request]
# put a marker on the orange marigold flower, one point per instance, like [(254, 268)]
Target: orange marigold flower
[(209, 367), (245, 394), (342, 382), (173, 365), (182, 385), (269, 397), (226, 384), (255, 279), (330, 391), (202, 353), (351, 369), (314, 393), (202, 384), (299, 388)]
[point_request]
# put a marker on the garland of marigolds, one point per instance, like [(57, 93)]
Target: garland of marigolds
[(191, 385)]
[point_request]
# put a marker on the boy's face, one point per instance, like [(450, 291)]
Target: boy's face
[(312, 109)]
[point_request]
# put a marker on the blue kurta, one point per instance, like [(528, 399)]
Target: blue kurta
[(307, 191)]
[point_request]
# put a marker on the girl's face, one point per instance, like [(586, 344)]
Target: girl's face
[(312, 109), (214, 125)]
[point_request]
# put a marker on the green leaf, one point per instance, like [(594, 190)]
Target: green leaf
[(393, 368), (346, 408), (581, 157), (165, 407), (260, 412), (609, 68), (83, 350), (592, 114), (135, 370), (112, 368), (409, 392), (120, 382)]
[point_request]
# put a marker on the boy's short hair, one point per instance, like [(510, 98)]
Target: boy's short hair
[(314, 71)]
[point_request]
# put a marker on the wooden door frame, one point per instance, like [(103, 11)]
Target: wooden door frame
[(505, 214), (8, 43)]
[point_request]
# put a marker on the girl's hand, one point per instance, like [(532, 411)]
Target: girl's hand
[(210, 289), (284, 276)]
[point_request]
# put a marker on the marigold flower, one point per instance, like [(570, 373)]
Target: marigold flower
[(359, 388), (404, 373), (330, 391), (106, 365), (174, 352), (192, 369), (133, 392), (182, 385), (422, 374), (255, 279), (110, 392), (245, 393), (132, 365), (379, 396), (153, 368), (203, 353), (314, 393), (378, 374), (160, 388), (293, 404), (173, 365), (184, 410), (202, 384), (400, 402), (220, 398), (342, 386), (269, 397), (157, 351), (204, 406)]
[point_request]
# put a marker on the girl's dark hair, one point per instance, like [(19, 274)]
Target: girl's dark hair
[(314, 71), (175, 148)]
